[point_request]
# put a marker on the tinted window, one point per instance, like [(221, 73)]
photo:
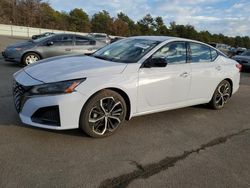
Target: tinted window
[(67, 40), (82, 40), (63, 40), (200, 53), (174, 52), (214, 54)]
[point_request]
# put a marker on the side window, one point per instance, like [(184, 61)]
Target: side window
[(82, 41), (214, 54), (67, 40), (174, 53), (200, 53), (64, 40)]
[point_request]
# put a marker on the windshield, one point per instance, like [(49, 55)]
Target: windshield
[(127, 50), (42, 38), (246, 53)]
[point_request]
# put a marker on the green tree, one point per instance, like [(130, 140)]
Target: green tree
[(133, 29), (79, 20), (160, 27), (102, 22), (120, 28), (205, 36), (147, 25)]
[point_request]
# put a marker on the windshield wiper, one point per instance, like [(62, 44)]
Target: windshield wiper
[(108, 59)]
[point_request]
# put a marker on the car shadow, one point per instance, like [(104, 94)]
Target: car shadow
[(10, 64), (73, 132)]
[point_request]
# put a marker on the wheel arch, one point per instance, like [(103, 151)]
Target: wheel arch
[(231, 84), (126, 98), (35, 52), (121, 92)]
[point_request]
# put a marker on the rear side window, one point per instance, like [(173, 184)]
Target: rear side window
[(63, 40), (200, 53), (67, 40), (214, 54), (82, 41)]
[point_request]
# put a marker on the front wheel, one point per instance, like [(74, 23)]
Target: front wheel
[(30, 58), (221, 95), (103, 114)]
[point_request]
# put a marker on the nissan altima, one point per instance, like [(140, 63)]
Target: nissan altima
[(132, 77)]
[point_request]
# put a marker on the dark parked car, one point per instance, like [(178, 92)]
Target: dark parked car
[(34, 37), (54, 45), (244, 59)]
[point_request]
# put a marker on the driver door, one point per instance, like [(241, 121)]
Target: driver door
[(165, 87)]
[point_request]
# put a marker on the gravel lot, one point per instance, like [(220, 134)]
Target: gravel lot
[(190, 147)]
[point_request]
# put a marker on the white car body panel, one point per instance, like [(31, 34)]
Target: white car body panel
[(72, 67), (152, 92), (149, 89)]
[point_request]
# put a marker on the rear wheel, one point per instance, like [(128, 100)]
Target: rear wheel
[(221, 95), (30, 58), (103, 114)]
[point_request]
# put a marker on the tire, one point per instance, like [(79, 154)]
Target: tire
[(30, 58), (103, 114), (221, 95)]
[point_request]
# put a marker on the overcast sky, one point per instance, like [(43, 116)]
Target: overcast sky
[(230, 17)]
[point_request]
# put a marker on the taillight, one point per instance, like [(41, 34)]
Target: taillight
[(239, 66)]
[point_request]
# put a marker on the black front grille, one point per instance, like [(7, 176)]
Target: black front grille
[(19, 95)]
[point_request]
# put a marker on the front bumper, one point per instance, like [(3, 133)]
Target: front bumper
[(57, 111), (69, 108), (11, 55)]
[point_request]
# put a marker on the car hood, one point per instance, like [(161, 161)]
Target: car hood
[(72, 67)]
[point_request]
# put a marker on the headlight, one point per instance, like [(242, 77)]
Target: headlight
[(56, 88)]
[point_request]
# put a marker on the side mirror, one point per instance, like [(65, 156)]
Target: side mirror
[(156, 62), (50, 43)]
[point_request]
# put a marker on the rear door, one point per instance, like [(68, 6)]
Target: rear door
[(60, 45), (84, 45), (206, 71)]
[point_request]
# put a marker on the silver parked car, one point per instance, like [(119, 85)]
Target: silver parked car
[(55, 45), (102, 37)]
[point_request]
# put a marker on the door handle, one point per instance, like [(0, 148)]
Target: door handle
[(218, 68), (184, 75), (67, 49)]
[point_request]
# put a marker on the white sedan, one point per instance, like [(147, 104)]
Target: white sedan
[(132, 77)]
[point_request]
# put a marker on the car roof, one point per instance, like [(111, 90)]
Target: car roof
[(165, 38), (156, 38), (168, 38)]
